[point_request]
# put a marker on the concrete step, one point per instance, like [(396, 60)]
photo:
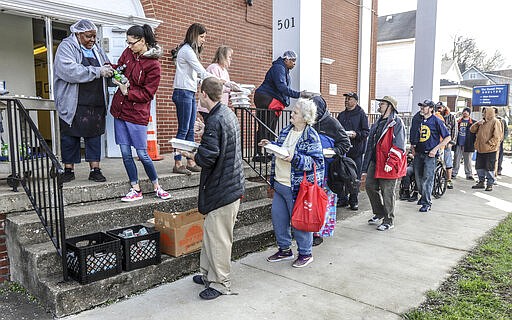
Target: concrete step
[(64, 298), (84, 191), (103, 215), (33, 261)]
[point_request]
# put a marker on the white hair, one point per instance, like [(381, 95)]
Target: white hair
[(308, 109)]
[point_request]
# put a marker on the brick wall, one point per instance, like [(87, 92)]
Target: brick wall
[(248, 30), (4, 259)]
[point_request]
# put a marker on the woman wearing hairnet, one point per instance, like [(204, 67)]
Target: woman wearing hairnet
[(81, 97)]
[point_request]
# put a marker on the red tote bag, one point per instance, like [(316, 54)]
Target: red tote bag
[(310, 206)]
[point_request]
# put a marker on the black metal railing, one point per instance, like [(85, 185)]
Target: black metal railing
[(251, 119), (36, 168)]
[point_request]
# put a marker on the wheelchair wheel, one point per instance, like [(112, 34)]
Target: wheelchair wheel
[(439, 181), (407, 192)]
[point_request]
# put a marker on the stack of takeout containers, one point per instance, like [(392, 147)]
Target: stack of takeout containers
[(241, 98)]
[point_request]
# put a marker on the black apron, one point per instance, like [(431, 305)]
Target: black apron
[(89, 120)]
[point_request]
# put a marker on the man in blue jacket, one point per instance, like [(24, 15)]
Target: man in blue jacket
[(273, 96), (355, 122)]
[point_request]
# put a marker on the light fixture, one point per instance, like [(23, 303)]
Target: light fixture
[(249, 2), (327, 61), (39, 50)]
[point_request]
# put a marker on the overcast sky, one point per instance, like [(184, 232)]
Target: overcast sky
[(488, 22)]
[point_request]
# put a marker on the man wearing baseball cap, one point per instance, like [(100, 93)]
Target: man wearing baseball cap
[(385, 161), (355, 122), (431, 130)]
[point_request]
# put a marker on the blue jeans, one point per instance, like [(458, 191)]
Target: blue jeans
[(186, 108), (131, 168), (70, 149), (282, 207), (424, 170), (482, 174)]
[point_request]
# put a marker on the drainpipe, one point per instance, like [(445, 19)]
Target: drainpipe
[(49, 62)]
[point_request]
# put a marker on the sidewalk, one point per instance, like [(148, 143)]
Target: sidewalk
[(360, 273)]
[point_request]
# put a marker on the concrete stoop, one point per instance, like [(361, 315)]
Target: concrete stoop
[(96, 207)]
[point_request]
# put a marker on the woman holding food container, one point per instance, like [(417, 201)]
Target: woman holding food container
[(302, 151)]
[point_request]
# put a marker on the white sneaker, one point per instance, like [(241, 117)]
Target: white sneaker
[(132, 196), (162, 194)]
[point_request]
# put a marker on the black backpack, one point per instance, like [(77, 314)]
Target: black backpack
[(342, 172)]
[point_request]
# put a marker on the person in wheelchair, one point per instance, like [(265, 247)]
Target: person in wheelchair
[(433, 135), (408, 190)]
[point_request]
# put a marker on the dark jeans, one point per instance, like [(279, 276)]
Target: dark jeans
[(70, 149), (350, 194), (424, 170), (185, 102), (500, 158), (268, 117), (406, 180)]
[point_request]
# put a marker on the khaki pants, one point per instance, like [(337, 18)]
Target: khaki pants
[(215, 261)]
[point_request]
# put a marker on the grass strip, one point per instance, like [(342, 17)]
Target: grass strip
[(480, 287)]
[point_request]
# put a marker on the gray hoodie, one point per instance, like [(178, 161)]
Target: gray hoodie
[(69, 73)]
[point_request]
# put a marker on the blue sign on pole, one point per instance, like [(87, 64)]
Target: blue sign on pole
[(496, 95)]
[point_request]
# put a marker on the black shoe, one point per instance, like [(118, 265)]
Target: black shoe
[(95, 175), (260, 158), (209, 294), (342, 204), (489, 187), (68, 176), (479, 185), (414, 197), (470, 178), (317, 241), (404, 195), (354, 207), (198, 279)]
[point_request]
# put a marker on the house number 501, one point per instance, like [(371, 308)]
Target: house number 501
[(286, 23)]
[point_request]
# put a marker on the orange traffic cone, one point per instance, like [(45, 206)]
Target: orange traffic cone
[(153, 147)]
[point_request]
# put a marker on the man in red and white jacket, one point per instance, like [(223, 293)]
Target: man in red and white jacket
[(385, 161)]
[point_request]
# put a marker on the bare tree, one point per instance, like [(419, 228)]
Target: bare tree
[(467, 54)]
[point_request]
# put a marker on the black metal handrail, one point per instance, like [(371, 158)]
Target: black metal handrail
[(36, 168), (251, 118)]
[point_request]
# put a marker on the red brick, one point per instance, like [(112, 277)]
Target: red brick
[(248, 30), (4, 271)]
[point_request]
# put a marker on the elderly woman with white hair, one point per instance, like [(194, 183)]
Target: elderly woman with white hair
[(305, 151)]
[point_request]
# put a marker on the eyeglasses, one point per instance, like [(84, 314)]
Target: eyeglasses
[(132, 43)]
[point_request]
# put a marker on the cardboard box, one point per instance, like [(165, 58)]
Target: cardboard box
[(180, 232)]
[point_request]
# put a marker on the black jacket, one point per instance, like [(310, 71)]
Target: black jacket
[(220, 156), (327, 125), (355, 120)]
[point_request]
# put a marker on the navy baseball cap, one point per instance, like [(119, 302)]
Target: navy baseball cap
[(427, 102)]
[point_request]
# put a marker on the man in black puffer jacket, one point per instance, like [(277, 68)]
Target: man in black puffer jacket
[(221, 186)]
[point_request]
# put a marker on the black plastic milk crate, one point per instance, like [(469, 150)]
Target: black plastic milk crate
[(139, 251), (93, 257)]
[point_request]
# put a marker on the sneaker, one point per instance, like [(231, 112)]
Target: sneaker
[(354, 207), (374, 220), (499, 172), (449, 184), (132, 196), (302, 261), (162, 194), (194, 168), (489, 187), (281, 255), (425, 208), (414, 197), (95, 175), (341, 204), (470, 178), (67, 176), (317, 241), (478, 185), (385, 226)]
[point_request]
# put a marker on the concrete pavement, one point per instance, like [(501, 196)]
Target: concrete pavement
[(360, 273)]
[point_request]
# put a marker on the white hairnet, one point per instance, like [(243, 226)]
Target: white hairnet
[(82, 26), (290, 54)]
